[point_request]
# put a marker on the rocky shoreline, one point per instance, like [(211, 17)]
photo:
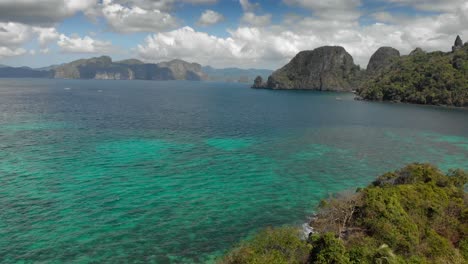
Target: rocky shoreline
[(435, 78)]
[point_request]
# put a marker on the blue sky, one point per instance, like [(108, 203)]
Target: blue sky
[(221, 33)]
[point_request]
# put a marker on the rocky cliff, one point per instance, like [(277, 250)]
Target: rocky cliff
[(104, 68), (437, 78), (325, 69), (183, 70), (381, 59)]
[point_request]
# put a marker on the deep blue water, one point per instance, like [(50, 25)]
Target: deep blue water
[(178, 172)]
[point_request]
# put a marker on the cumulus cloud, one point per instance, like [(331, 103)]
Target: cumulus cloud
[(210, 17), (162, 5), (273, 45), (247, 6), (44, 12), (46, 35), (254, 20), (75, 44), (250, 18), (14, 34), (431, 5), (245, 47), (10, 52), (331, 9), (127, 19)]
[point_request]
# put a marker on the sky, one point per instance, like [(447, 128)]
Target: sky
[(221, 33)]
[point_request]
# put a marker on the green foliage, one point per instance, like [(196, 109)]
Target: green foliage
[(414, 215), (424, 78), (280, 245), (327, 249)]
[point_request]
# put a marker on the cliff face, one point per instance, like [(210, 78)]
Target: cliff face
[(381, 59), (104, 68), (325, 69), (183, 70), (437, 78)]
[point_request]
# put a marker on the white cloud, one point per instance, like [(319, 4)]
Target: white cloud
[(271, 46), (43, 12), (162, 5), (245, 47), (10, 52), (247, 6), (431, 5), (250, 18), (14, 34), (75, 44), (210, 17), (127, 19), (46, 35), (330, 9)]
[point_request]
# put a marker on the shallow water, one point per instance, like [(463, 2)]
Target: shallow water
[(177, 172)]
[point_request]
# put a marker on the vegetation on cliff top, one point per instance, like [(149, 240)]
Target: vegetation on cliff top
[(435, 78), (414, 215)]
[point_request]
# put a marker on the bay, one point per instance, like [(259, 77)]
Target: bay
[(178, 172)]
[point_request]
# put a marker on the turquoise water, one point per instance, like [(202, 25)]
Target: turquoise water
[(178, 172)]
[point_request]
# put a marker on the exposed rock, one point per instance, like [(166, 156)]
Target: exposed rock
[(417, 51), (325, 69), (104, 68), (458, 44), (258, 82), (183, 70), (381, 59), (436, 78)]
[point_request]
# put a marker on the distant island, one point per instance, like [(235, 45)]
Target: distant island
[(103, 68), (436, 78), (414, 215)]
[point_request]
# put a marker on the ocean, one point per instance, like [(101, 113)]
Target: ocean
[(179, 172)]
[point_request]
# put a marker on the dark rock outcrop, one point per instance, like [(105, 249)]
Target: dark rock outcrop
[(258, 83), (458, 44), (325, 69), (381, 59)]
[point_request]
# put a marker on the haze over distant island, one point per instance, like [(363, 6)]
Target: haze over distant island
[(103, 68)]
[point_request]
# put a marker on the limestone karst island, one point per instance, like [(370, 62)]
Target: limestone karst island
[(234, 132)]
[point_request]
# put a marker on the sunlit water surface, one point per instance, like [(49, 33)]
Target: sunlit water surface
[(178, 172)]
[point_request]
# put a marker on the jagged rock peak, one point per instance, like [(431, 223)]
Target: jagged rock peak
[(329, 68), (258, 82), (382, 58), (458, 44)]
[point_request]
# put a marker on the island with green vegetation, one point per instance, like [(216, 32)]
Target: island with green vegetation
[(104, 68), (435, 78), (417, 214)]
